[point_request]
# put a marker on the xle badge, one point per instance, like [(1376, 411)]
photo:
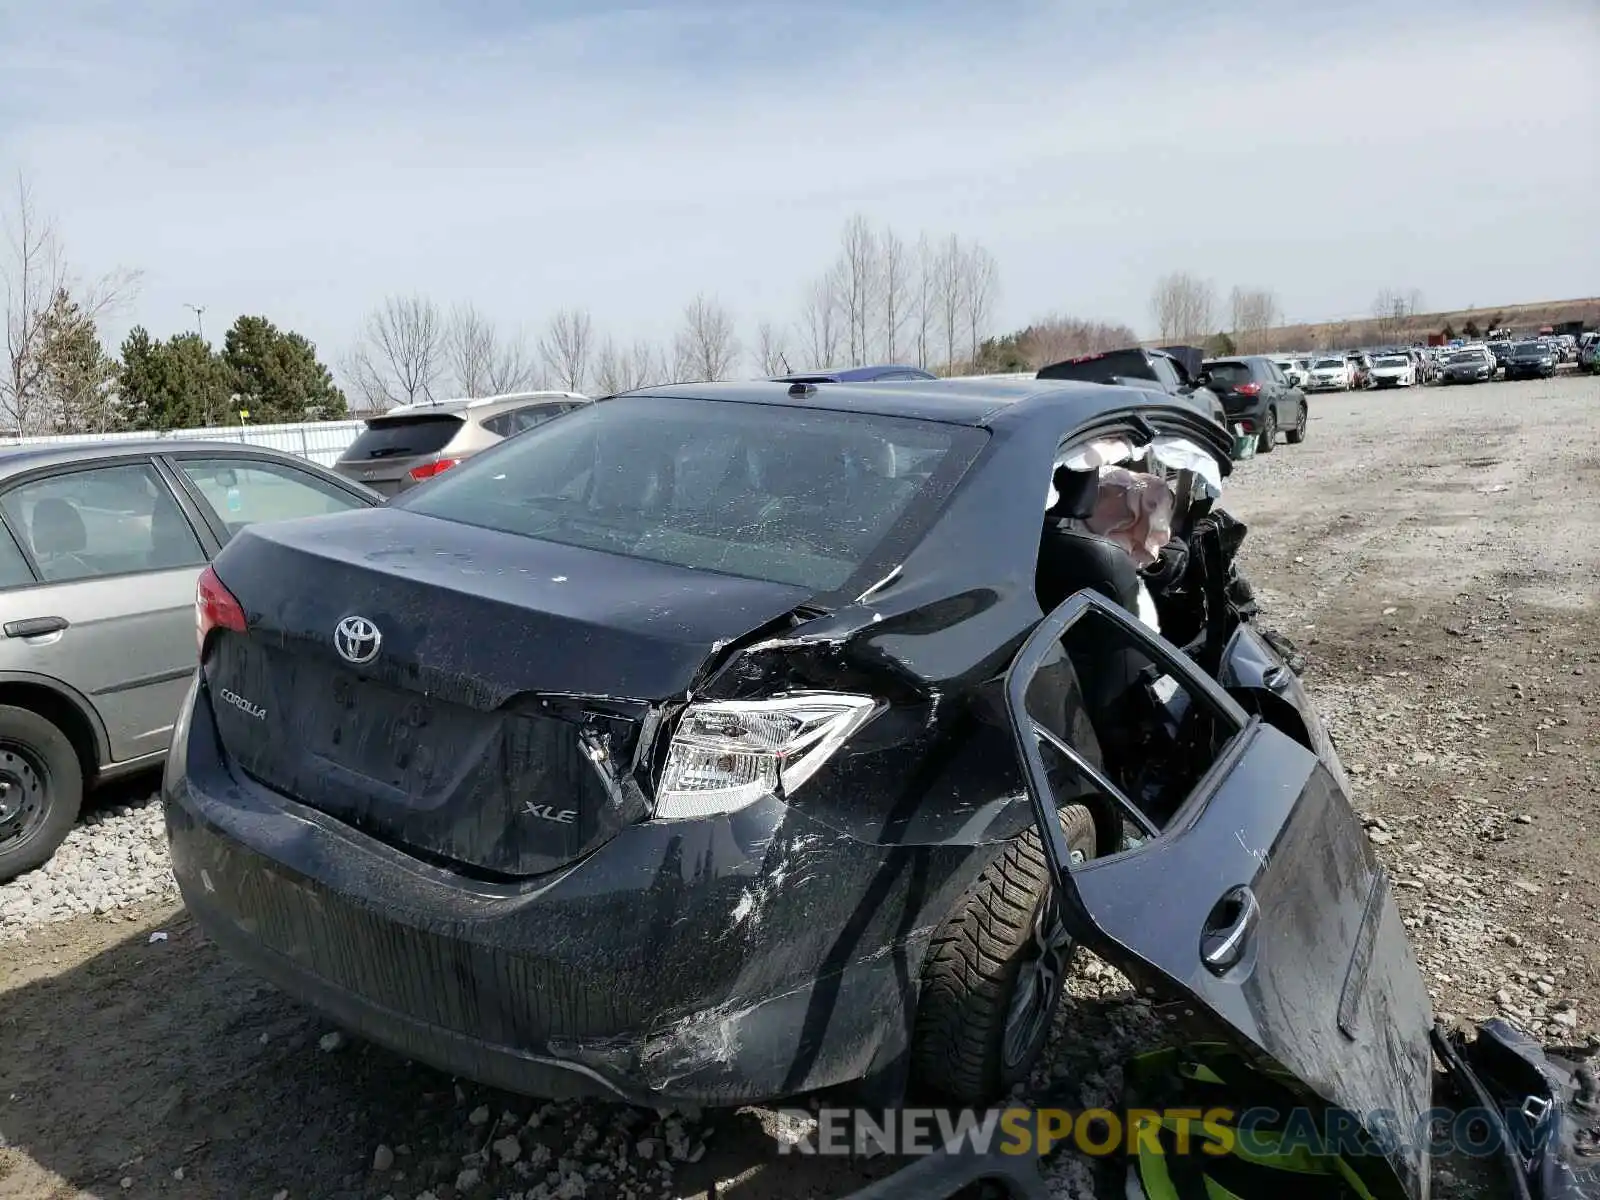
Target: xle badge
[(546, 812)]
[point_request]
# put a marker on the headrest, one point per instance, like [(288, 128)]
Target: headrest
[(1076, 492), (56, 528)]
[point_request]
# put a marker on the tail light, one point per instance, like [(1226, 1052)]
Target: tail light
[(429, 470), (214, 608), (728, 754), (1248, 389)]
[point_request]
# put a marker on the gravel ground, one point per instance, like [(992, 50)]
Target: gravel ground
[(117, 856), (1434, 553)]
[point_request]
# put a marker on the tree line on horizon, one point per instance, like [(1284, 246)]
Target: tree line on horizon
[(927, 302)]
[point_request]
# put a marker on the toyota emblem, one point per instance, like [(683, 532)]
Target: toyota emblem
[(357, 640)]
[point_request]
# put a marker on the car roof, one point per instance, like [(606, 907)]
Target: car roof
[(979, 403), (463, 404), (16, 459), (852, 374)]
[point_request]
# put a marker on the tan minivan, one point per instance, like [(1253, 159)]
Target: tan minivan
[(411, 444)]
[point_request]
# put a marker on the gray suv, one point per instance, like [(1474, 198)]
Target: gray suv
[(411, 444), (101, 549)]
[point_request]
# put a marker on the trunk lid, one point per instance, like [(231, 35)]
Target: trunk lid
[(502, 717)]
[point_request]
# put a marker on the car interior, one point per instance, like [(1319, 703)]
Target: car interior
[(1110, 702)]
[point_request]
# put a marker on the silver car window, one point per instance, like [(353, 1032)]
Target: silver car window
[(242, 492), (104, 521)]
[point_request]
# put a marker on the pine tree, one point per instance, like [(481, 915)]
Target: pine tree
[(277, 376)]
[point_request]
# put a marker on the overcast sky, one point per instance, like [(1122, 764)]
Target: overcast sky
[(302, 160)]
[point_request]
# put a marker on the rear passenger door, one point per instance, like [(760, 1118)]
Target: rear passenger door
[(110, 608)]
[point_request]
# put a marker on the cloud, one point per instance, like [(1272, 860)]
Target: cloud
[(304, 161)]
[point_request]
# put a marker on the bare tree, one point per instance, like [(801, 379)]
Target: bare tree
[(1184, 307), (566, 348), (857, 274), (1394, 309), (1053, 338), (924, 290), (513, 367), (403, 354), (820, 322), (771, 356), (36, 276), (705, 348), (1254, 312), (980, 284), (470, 350), (949, 297), (896, 279), (610, 365)]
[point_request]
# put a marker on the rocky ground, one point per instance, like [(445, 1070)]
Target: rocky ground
[(1434, 553)]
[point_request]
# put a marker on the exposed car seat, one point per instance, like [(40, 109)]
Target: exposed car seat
[(1072, 558)]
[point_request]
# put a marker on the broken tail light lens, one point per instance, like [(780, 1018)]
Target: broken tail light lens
[(1248, 389), (429, 470), (214, 608), (728, 754)]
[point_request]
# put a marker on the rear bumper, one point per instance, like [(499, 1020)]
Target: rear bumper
[(665, 968)]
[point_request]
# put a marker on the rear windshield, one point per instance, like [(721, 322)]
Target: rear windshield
[(1467, 356), (1229, 374), (1102, 368), (791, 495), (1529, 348), (395, 437), (1328, 364)]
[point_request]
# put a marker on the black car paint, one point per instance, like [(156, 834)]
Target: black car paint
[(775, 950), (1277, 396), (1324, 983), (1530, 361)]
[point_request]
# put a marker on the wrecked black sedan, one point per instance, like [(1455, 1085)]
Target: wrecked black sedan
[(696, 747)]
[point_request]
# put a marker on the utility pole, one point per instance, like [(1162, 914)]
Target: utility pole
[(199, 311)]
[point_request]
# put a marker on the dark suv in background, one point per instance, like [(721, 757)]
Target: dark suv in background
[(1258, 396), (1138, 367)]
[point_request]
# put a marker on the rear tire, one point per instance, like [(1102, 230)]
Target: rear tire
[(1269, 433), (41, 790), (992, 980), (1298, 434)]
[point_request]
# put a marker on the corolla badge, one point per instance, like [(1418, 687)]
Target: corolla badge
[(357, 640)]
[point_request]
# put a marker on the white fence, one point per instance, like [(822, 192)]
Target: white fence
[(320, 441)]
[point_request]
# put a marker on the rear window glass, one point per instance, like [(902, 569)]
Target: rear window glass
[(1229, 374), (1102, 368), (1328, 364), (1392, 360), (396, 437), (792, 495)]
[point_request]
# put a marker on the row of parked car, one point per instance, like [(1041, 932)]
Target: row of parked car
[(1412, 366)]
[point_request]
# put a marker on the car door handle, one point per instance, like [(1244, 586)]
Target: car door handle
[(1228, 928), (30, 627)]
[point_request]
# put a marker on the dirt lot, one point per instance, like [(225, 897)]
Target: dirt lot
[(1435, 553)]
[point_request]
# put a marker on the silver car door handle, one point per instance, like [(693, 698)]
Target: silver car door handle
[(1227, 930), (32, 627)]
